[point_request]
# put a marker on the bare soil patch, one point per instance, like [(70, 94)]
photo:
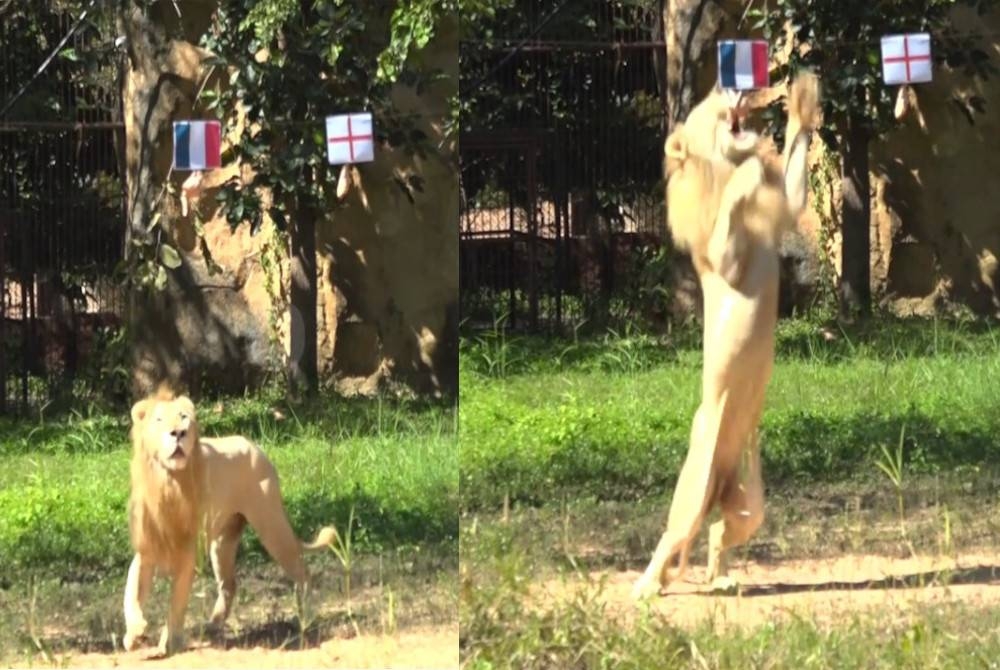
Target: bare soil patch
[(827, 590), (431, 647)]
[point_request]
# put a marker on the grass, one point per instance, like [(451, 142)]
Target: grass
[(505, 623), (65, 483), (580, 633), (877, 439), (610, 418)]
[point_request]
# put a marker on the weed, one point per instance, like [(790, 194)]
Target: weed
[(341, 548), (892, 465)]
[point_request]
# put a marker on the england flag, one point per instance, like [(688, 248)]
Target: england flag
[(350, 138), (906, 59)]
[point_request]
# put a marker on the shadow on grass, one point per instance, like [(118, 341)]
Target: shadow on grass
[(285, 633), (797, 447), (278, 633), (885, 338), (982, 574)]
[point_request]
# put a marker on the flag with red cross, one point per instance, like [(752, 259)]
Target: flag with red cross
[(906, 59), (350, 138)]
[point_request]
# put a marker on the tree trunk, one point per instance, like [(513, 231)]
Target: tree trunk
[(151, 95), (854, 291), (302, 359)]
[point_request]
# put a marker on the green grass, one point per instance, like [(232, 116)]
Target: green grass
[(507, 621), (580, 633), (609, 417), (569, 451), (65, 482)]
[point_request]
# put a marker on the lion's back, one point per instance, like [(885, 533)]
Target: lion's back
[(235, 470)]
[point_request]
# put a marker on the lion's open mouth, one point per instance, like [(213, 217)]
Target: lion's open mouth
[(178, 453), (735, 124)]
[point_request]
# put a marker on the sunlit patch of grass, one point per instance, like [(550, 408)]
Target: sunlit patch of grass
[(576, 425)]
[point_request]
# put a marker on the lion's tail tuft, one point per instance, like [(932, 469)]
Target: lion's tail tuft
[(324, 538)]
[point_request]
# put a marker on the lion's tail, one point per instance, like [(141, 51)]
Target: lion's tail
[(803, 118), (324, 538)]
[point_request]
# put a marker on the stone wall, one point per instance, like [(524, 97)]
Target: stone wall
[(935, 219), (387, 266)]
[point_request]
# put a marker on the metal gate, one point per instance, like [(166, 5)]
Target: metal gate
[(61, 205), (563, 119)]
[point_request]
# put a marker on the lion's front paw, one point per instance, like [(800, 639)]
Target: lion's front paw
[(171, 643), (725, 585), (133, 634), (645, 587)]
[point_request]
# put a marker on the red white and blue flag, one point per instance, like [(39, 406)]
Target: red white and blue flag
[(197, 145), (906, 59), (743, 64), (349, 138)]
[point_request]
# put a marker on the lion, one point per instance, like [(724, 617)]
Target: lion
[(728, 208), (183, 485)]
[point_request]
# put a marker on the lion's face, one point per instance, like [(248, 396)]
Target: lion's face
[(167, 430), (714, 128)]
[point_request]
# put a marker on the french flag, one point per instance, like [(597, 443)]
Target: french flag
[(197, 145), (743, 64)]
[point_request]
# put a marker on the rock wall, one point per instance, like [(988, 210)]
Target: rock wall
[(387, 266), (935, 220)]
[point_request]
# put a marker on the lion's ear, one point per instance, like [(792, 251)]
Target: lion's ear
[(675, 150), (676, 146), (186, 403), (139, 411)]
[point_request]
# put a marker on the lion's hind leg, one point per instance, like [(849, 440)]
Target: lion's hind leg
[(693, 497), (742, 504), (224, 541), (268, 518)]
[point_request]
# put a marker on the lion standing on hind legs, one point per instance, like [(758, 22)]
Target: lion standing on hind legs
[(729, 209), (183, 485)]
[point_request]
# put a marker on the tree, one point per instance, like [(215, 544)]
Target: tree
[(840, 39), (291, 63)]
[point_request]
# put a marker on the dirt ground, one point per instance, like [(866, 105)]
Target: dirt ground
[(431, 647), (825, 590)]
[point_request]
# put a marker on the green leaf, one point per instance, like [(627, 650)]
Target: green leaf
[(160, 280), (170, 257)]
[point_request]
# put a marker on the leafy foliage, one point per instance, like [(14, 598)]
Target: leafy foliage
[(841, 40), (291, 64)]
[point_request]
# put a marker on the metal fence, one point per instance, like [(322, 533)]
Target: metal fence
[(563, 121), (61, 205)]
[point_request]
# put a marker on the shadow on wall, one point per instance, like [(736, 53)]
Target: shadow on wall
[(939, 229), (379, 324), (195, 336)]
